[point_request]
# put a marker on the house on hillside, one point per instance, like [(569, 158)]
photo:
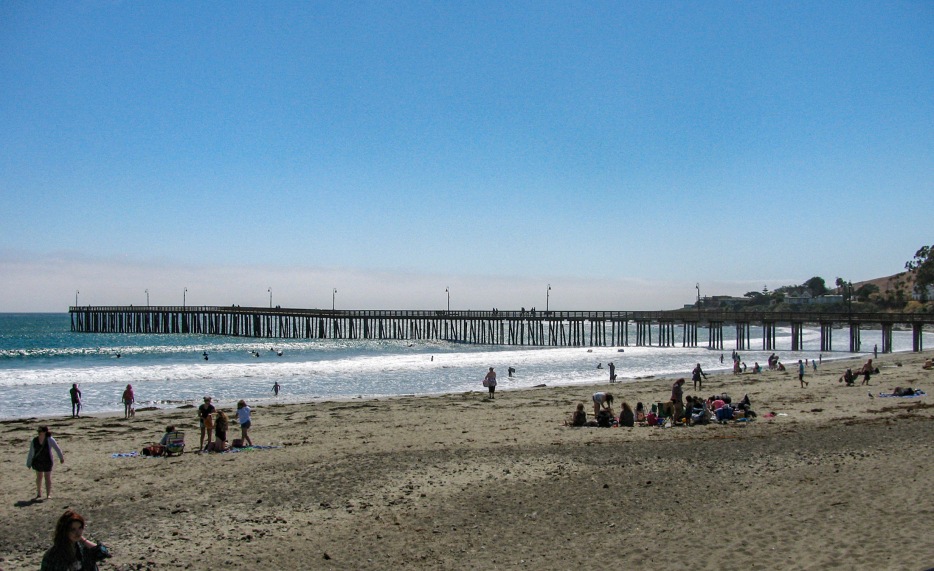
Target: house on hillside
[(725, 302), (803, 299), (807, 299), (928, 293)]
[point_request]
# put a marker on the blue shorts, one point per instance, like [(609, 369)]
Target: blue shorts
[(246, 425)]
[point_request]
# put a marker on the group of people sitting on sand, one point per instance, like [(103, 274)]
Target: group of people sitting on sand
[(215, 423), (603, 413), (695, 410)]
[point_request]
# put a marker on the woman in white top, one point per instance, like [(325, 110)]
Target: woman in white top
[(243, 417), (602, 400)]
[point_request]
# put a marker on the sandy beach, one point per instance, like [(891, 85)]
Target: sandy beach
[(836, 480)]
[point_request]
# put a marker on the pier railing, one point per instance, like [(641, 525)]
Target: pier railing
[(495, 327)]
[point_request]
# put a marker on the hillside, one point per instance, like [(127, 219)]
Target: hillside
[(888, 283)]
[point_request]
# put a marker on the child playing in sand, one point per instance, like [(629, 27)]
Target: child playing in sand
[(221, 423), (579, 418)]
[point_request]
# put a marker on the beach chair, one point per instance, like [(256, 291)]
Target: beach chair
[(175, 443)]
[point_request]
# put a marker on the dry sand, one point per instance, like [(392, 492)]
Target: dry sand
[(458, 482)]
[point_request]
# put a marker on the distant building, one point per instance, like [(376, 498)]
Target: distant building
[(803, 299), (928, 293), (827, 299), (807, 299), (725, 302)]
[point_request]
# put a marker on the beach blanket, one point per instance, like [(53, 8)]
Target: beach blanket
[(244, 449), (133, 455), (918, 393), (249, 449)]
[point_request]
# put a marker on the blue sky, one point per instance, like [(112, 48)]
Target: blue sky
[(620, 151)]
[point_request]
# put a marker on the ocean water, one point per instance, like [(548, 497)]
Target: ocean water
[(40, 358)]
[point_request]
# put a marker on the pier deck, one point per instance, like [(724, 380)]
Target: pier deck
[(521, 328)]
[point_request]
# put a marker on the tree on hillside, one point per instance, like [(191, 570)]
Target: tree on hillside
[(922, 268), (866, 290), (816, 286), (756, 297)]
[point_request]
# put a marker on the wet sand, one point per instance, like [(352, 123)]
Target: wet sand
[(460, 482)]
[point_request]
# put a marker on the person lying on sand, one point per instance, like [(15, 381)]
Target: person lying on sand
[(903, 392)]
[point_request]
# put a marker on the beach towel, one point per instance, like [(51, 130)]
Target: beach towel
[(133, 454), (248, 449), (918, 393)]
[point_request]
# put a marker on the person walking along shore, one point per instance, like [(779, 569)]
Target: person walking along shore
[(75, 400), (128, 399), (40, 460)]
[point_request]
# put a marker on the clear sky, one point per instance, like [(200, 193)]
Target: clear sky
[(621, 152)]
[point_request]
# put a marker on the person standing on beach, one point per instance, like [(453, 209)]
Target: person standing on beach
[(612, 372), (677, 399), (75, 400), (40, 460), (275, 388), (696, 375), (866, 371), (489, 381), (128, 400), (243, 417), (801, 374), (204, 411)]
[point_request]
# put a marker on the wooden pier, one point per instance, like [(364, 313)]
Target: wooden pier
[(519, 328)]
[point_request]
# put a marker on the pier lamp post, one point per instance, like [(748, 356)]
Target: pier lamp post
[(697, 286), (849, 300), (76, 297), (184, 294), (333, 296), (147, 298), (447, 290), (270, 297), (547, 297)]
